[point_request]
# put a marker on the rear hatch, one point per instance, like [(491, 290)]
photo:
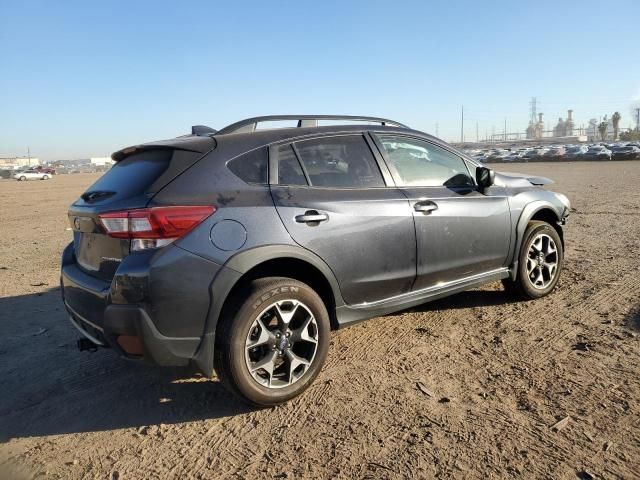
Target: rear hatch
[(140, 172)]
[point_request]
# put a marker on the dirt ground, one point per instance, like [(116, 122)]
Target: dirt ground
[(466, 387)]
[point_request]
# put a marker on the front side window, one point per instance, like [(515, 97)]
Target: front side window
[(339, 162), (416, 163)]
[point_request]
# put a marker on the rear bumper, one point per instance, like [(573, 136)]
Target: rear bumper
[(157, 303), (129, 321)]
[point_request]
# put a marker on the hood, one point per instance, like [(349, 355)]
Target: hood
[(508, 179)]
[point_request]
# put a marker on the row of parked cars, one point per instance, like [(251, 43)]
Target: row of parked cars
[(600, 151)]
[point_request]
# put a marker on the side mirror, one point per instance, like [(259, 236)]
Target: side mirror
[(484, 177)]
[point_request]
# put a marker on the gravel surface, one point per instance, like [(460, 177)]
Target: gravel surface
[(477, 385)]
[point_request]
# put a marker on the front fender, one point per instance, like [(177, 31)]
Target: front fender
[(528, 212)]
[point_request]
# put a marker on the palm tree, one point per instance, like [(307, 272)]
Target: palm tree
[(616, 122), (602, 128)]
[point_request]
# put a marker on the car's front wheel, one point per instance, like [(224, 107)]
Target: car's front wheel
[(45, 177), (22, 179), (272, 340), (539, 263)]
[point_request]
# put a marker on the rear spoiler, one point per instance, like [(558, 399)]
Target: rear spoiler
[(197, 144)]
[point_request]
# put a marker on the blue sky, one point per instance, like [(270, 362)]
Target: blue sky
[(82, 78)]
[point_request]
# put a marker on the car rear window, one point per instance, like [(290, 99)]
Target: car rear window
[(133, 175), (251, 167)]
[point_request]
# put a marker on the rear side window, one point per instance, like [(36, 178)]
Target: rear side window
[(289, 169), (251, 167), (339, 162)]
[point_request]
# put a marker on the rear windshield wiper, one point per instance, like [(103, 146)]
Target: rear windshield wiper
[(95, 195)]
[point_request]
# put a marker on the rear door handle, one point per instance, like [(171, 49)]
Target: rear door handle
[(312, 216), (425, 207)]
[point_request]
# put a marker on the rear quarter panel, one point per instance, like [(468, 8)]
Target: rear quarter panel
[(243, 211)]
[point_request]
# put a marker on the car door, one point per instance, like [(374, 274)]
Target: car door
[(333, 199), (460, 231)]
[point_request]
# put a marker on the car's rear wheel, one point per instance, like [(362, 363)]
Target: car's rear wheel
[(272, 340), (23, 178), (45, 177), (539, 263)]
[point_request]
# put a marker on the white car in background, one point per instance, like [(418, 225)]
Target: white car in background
[(31, 175)]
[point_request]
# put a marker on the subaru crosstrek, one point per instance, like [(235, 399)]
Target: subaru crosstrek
[(239, 250)]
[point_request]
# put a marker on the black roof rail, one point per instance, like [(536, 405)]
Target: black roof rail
[(249, 125), (202, 130)]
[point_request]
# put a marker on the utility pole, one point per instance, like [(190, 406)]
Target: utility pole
[(29, 156), (637, 119), (505, 129), (462, 125)]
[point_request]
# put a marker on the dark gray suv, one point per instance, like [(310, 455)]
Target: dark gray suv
[(239, 250)]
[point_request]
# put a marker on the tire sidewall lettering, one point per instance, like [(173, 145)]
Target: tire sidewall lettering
[(274, 292)]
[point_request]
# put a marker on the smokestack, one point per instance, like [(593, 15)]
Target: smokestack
[(569, 124), (540, 117)]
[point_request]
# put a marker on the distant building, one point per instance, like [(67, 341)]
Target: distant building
[(593, 132), (560, 130), (73, 163), (536, 130), (101, 161), (18, 162), (564, 128), (569, 125)]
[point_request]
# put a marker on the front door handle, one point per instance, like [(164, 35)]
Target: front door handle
[(425, 207), (312, 216)]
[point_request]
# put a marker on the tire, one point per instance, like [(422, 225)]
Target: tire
[(242, 343), (22, 179), (45, 177), (540, 262)]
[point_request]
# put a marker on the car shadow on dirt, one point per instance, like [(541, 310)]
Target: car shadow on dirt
[(469, 299), (50, 388), (632, 319)]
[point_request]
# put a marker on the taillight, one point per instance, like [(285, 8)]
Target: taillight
[(154, 227)]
